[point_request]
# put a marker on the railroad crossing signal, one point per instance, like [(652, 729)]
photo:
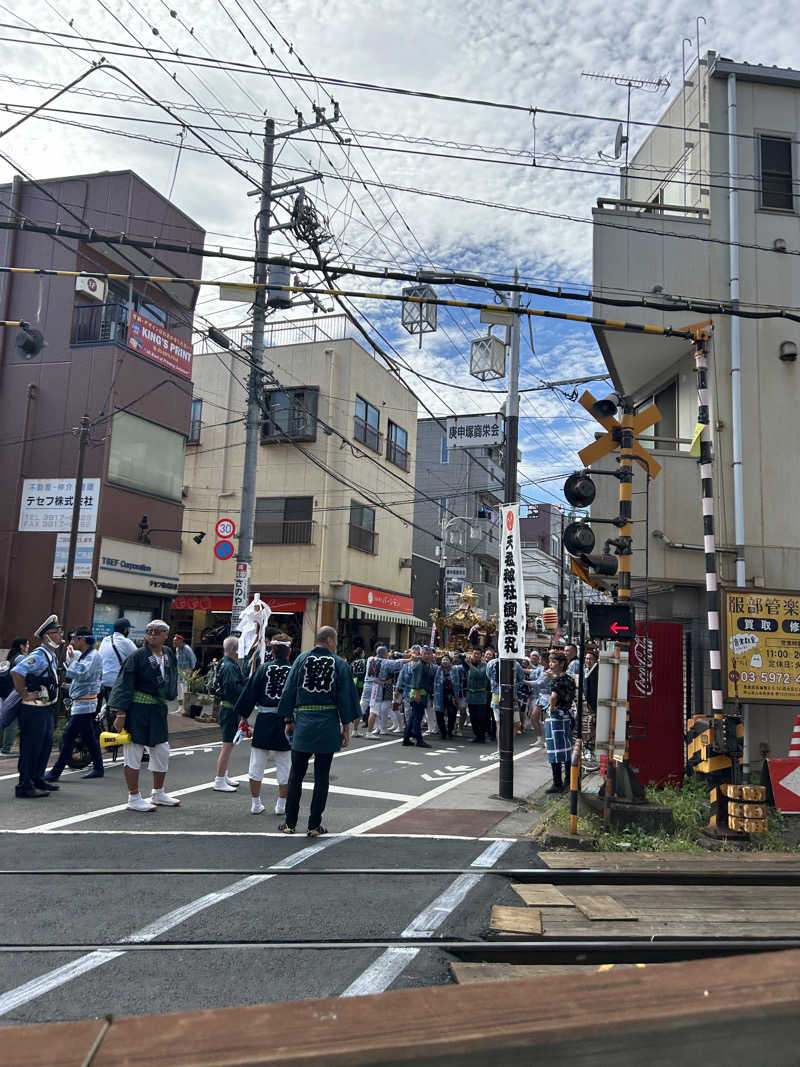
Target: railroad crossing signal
[(610, 621), (611, 439)]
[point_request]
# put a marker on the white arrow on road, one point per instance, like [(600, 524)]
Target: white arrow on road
[(458, 770), (489, 755), (792, 781), (441, 751), (439, 776)]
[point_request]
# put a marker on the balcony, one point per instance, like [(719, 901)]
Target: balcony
[(397, 455), (100, 324), (362, 539), (366, 434), (292, 532)]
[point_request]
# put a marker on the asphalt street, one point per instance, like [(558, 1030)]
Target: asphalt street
[(389, 807)]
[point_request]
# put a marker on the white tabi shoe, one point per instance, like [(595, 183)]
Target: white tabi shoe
[(372, 733), (256, 807), (230, 781), (222, 785), (280, 806), (138, 803), (164, 799)]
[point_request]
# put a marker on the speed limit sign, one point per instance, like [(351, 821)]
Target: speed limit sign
[(225, 528)]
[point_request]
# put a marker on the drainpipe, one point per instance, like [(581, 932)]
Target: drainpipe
[(736, 351), (323, 535)]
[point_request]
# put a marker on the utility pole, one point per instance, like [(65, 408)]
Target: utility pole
[(247, 514), (507, 666), (83, 441)]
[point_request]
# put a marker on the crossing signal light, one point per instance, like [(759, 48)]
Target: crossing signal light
[(605, 565), (579, 489), (578, 538), (30, 341)]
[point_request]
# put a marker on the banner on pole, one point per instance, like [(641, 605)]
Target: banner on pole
[(511, 596)]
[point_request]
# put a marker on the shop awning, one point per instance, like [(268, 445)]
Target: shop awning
[(348, 611)]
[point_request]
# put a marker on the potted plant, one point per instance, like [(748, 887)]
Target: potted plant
[(197, 701)]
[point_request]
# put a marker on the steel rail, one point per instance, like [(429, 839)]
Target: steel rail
[(562, 950), (578, 876)]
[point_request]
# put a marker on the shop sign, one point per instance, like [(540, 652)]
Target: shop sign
[(472, 431), (222, 602), (362, 597), (124, 565), (152, 341), (762, 641), (47, 504), (84, 556)]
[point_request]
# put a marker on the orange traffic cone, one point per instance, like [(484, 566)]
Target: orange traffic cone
[(794, 744)]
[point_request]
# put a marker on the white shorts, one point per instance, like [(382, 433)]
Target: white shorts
[(159, 756), (260, 757), (366, 697)]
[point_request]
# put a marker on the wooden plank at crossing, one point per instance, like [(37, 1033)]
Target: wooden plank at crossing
[(599, 907), (541, 895), (504, 920)]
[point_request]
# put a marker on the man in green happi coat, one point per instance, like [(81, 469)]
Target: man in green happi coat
[(318, 703)]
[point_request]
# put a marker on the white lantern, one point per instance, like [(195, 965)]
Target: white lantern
[(419, 313), (487, 358)]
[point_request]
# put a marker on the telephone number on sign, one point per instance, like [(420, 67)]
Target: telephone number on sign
[(768, 677)]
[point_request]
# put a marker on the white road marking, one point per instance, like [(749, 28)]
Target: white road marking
[(407, 763), (410, 805), (393, 961), (348, 792), (37, 987), (254, 833), (117, 762), (98, 813), (439, 776)]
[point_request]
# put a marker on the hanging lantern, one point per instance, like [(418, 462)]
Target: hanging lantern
[(487, 358), (419, 310), (550, 619)]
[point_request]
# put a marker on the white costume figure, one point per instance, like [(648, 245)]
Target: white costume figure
[(253, 630)]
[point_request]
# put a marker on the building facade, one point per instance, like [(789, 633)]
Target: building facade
[(456, 522), (709, 213), (335, 476), (119, 353)]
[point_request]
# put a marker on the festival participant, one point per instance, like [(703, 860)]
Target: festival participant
[(318, 703), (263, 692), (231, 684), (381, 702), (535, 673), (420, 689), (402, 687), (445, 687), (376, 724), (147, 681), (558, 725), (459, 671), (479, 694)]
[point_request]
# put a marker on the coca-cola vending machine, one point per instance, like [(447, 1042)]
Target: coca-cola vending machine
[(656, 695)]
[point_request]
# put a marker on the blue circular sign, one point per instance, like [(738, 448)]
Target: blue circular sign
[(223, 549)]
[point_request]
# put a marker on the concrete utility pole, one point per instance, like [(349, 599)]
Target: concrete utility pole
[(506, 784), (83, 442), (247, 514)]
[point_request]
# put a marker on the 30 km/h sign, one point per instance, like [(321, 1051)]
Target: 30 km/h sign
[(223, 549), (225, 528)]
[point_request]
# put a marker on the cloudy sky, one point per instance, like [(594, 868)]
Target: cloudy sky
[(510, 52)]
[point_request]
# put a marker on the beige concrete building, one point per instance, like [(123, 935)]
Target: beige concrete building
[(709, 211), (334, 450)]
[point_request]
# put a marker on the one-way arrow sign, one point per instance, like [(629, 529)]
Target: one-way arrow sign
[(784, 774)]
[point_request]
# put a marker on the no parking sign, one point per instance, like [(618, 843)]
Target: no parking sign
[(223, 549)]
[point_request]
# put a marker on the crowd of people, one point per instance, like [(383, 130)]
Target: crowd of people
[(296, 710)]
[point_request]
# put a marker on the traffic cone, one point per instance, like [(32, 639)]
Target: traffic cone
[(794, 744)]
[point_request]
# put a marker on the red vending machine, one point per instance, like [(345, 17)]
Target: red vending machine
[(656, 695)]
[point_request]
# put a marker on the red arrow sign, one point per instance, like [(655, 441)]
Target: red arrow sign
[(785, 777), (615, 628)]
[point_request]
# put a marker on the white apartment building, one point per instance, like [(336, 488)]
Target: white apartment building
[(335, 447), (709, 209)]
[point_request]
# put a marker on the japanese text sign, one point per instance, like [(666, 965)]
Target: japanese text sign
[(511, 632), (153, 342), (472, 431), (762, 638), (47, 503)]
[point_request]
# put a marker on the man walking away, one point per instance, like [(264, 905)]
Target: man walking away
[(229, 686), (147, 681), (420, 691), (84, 669), (318, 704), (263, 692), (479, 695)]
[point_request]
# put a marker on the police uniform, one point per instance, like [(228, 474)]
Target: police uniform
[(40, 671), (319, 698)]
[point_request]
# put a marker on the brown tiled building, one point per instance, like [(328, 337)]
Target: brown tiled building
[(119, 353)]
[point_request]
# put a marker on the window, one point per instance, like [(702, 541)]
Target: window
[(554, 547), (290, 413), (445, 451), (397, 446), (362, 528), (196, 423), (367, 425), (665, 432), (146, 457), (283, 520), (776, 173)]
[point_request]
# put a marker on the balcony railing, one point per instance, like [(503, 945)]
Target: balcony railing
[(363, 539), (401, 457), (368, 435), (293, 532), (100, 324)]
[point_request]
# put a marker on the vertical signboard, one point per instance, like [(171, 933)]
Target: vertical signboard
[(511, 596), (762, 639), (241, 591), (656, 701)]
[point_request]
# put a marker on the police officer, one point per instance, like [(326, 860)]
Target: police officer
[(36, 681)]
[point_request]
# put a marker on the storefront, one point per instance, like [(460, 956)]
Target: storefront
[(134, 580), (204, 619), (375, 617)]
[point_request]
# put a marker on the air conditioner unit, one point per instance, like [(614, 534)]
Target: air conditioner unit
[(94, 288)]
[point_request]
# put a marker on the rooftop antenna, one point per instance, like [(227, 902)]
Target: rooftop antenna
[(646, 85)]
